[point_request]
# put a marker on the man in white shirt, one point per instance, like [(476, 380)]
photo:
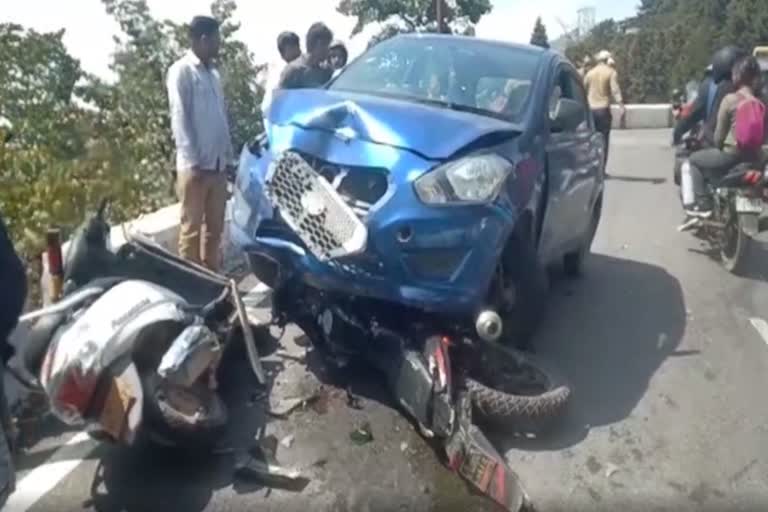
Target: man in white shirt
[(204, 151), (289, 46)]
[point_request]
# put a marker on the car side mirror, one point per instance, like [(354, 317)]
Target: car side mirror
[(567, 115)]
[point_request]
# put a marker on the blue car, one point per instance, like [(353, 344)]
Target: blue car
[(440, 175)]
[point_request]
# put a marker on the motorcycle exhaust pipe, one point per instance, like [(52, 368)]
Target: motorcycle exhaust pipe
[(489, 325)]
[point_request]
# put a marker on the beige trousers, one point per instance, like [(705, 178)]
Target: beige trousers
[(203, 197)]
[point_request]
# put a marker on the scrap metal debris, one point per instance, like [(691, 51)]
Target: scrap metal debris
[(271, 475), (261, 466)]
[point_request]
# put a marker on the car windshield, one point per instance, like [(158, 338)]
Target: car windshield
[(465, 74)]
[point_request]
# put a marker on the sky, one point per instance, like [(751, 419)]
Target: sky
[(89, 30)]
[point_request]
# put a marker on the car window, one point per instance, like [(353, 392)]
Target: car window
[(568, 86), (461, 73)]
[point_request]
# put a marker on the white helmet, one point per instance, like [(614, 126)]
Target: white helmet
[(603, 56)]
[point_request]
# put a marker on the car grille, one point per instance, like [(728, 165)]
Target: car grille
[(360, 187), (314, 210)]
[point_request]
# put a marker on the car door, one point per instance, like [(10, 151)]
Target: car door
[(574, 167)]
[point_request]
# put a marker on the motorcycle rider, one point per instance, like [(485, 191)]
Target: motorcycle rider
[(705, 109), (12, 300), (715, 161), (712, 90)]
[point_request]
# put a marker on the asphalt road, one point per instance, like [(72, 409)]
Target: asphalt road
[(668, 411)]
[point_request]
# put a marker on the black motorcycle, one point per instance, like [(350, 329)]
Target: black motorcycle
[(738, 200)]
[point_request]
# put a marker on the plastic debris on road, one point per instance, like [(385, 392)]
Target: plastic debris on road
[(261, 466), (362, 435)]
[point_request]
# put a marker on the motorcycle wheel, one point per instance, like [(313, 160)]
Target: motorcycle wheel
[(165, 425), (734, 244), (513, 388)]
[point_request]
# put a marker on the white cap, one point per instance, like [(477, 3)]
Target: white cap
[(603, 56)]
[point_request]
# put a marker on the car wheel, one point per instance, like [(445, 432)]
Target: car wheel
[(573, 262), (524, 287)]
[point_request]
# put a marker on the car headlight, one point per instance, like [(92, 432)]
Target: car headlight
[(472, 179)]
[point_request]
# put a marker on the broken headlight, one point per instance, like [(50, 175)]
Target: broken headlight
[(469, 180)]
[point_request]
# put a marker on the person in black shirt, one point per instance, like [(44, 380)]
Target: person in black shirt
[(711, 92), (310, 70)]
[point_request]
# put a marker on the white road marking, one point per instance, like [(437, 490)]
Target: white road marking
[(41, 480), (761, 326)]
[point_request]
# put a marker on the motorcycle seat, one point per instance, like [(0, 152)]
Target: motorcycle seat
[(735, 176)]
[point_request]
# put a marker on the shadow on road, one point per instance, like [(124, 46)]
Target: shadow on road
[(636, 179), (149, 478), (755, 267), (608, 333)]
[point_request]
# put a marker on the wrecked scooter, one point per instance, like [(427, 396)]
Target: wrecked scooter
[(132, 347)]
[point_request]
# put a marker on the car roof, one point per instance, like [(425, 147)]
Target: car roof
[(472, 40)]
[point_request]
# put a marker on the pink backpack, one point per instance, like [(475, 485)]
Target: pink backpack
[(749, 128)]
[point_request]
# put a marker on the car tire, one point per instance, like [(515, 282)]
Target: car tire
[(529, 277), (573, 262)]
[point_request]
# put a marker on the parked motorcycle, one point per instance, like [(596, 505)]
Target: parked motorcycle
[(132, 348), (738, 200)]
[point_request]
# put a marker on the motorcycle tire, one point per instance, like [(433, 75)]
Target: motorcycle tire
[(158, 425), (735, 259), (497, 401)]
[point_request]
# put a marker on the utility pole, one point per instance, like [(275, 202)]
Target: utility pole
[(439, 16)]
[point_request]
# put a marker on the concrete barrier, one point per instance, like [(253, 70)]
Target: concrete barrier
[(641, 117)]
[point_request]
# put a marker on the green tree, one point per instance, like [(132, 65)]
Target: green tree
[(539, 36), (413, 15), (37, 80), (78, 138), (746, 23)]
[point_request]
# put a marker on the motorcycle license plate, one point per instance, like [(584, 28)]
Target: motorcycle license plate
[(749, 205)]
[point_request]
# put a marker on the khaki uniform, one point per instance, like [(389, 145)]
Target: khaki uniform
[(602, 84)]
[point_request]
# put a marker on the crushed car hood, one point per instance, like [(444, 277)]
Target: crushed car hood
[(430, 131)]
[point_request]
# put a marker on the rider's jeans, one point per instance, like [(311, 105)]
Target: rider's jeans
[(711, 164)]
